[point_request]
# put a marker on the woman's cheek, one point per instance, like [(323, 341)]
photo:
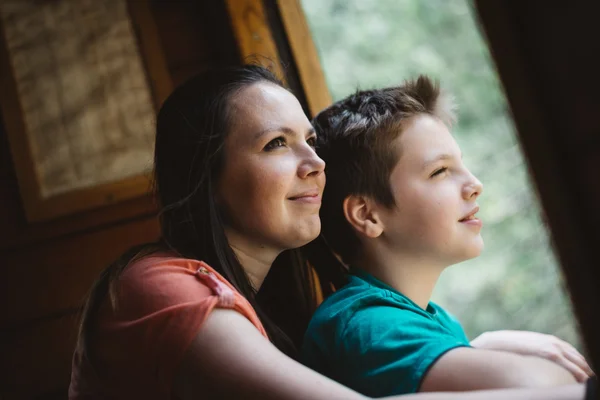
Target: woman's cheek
[(267, 183)]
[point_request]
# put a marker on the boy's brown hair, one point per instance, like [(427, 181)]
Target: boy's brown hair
[(355, 141)]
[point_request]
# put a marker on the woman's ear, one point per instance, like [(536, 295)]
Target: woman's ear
[(361, 213)]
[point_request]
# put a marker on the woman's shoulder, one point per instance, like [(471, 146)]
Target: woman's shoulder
[(161, 262), (160, 303), (163, 281)]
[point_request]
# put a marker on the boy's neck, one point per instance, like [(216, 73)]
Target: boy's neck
[(413, 278)]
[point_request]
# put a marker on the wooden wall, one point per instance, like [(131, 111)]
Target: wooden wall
[(47, 268)]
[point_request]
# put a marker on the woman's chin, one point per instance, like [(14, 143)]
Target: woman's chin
[(306, 234)]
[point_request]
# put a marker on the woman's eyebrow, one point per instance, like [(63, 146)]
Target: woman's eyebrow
[(283, 129)]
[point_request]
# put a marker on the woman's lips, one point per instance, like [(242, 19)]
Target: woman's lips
[(312, 197), (307, 198)]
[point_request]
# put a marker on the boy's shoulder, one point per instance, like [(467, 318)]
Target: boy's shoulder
[(365, 304), (367, 331), (360, 299)]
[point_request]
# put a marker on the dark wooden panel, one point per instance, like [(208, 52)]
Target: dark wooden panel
[(182, 74), (56, 275), (546, 54), (180, 27), (567, 66), (37, 359), (589, 180), (194, 33)]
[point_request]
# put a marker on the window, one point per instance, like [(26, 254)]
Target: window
[(516, 282)]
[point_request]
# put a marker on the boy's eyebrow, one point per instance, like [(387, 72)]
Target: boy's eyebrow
[(440, 157), (283, 129)]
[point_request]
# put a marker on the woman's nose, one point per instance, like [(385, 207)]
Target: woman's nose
[(312, 165)]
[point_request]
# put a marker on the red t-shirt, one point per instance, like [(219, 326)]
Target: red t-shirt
[(162, 303)]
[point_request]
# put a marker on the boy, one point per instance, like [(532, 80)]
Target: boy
[(399, 207)]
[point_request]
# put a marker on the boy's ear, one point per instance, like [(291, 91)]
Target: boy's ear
[(361, 213)]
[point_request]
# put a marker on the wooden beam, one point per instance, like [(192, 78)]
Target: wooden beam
[(253, 34), (151, 49), (305, 55)]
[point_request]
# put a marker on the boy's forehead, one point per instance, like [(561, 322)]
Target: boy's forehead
[(424, 139)]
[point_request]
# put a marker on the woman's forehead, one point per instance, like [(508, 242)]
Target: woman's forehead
[(264, 105)]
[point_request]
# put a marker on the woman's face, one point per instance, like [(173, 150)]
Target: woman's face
[(272, 180)]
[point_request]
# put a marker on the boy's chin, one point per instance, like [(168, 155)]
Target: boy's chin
[(474, 250)]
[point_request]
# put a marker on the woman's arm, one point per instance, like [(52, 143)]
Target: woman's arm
[(230, 359), (537, 345), (475, 369)]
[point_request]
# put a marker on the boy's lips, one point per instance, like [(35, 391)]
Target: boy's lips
[(470, 218)]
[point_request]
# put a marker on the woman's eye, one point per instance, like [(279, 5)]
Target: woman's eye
[(312, 142), (275, 143), (439, 172)]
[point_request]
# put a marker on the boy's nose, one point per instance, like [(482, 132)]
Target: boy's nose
[(472, 189)]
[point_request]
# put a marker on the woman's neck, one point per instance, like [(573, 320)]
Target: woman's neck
[(255, 259)]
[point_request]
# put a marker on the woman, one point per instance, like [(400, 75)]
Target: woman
[(217, 307)]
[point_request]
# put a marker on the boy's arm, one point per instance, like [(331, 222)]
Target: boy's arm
[(474, 369), (390, 350)]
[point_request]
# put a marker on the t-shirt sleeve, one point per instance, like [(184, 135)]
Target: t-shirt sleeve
[(160, 310), (388, 350)]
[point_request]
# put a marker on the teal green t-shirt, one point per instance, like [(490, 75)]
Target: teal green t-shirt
[(373, 339)]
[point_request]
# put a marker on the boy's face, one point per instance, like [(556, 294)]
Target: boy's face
[(434, 192)]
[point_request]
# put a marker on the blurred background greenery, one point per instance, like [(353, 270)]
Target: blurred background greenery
[(516, 282)]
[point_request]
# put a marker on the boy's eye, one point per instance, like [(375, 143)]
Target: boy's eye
[(439, 171), (275, 143), (312, 141)]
